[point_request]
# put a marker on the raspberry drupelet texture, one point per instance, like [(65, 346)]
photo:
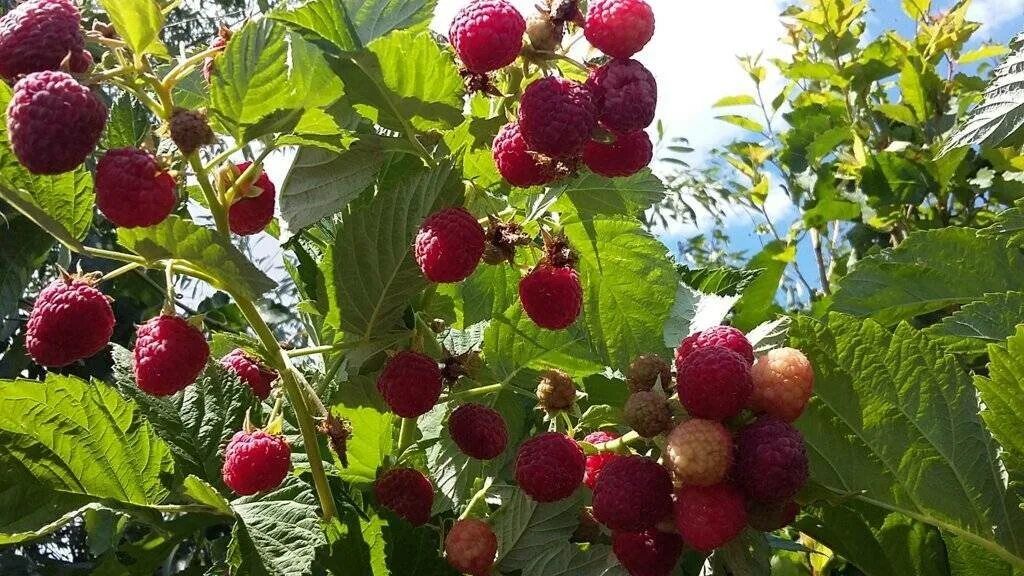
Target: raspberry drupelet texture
[(169, 355), (550, 467), (251, 213), (487, 35), (771, 460), (632, 493), (647, 553), (251, 371), (406, 492), (709, 516), (70, 320), (478, 431), (517, 165), (132, 189), (471, 546), (255, 461), (783, 381), (647, 371), (552, 296), (647, 413), (556, 116), (714, 383), (626, 155), (597, 462), (190, 130), (410, 383), (449, 245), (619, 28), (555, 390), (699, 452), (38, 35), (725, 336), (54, 122), (626, 95)]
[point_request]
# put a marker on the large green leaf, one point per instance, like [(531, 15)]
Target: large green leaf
[(349, 25), (999, 117), (717, 280), (1002, 392), (758, 301), (278, 532), (590, 194), (139, 23), (372, 429), (489, 291), (322, 21), (18, 260), (994, 318), (375, 18)]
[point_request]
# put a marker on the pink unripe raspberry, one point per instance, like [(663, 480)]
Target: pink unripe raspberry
[(38, 35), (619, 28), (254, 209), (70, 320), (478, 431), (251, 371), (556, 116), (783, 381), (516, 163), (626, 95), (771, 460), (552, 296), (699, 452), (709, 516), (169, 355), (132, 190), (550, 467), (410, 383), (406, 492), (471, 547), (597, 462), (627, 155), (449, 245), (632, 493), (647, 553), (487, 35), (725, 336), (255, 461), (714, 383)]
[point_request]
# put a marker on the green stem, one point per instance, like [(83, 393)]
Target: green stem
[(220, 215), (171, 296), (119, 271), (311, 351), (481, 494), (185, 508), (248, 177), (186, 65), (618, 444), (111, 255), (220, 158), (490, 389), (407, 434)]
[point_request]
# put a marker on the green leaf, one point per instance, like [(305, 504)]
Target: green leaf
[(913, 91), (513, 344), (321, 21), (1001, 392), (372, 429), (202, 248), (67, 198), (203, 493), (916, 9), (898, 112), (739, 100), (742, 122), (128, 125), (894, 180), (694, 311), (997, 120), (532, 537), (748, 553), (489, 291), (758, 301), (983, 52), (812, 71), (19, 260), (719, 280), (590, 194), (375, 18), (993, 318), (139, 23), (279, 531), (827, 141)]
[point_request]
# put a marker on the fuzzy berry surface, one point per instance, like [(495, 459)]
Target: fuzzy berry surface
[(449, 245), (555, 390), (699, 452), (38, 35), (169, 355), (648, 370), (626, 95), (771, 460), (619, 28), (487, 35), (647, 553), (190, 130), (478, 431), (632, 493), (517, 165), (70, 320), (54, 122), (406, 492), (647, 413), (768, 517), (714, 383), (132, 190), (597, 462), (550, 467), (552, 296), (410, 383), (725, 336), (783, 381), (255, 462), (708, 517), (250, 370), (556, 116), (251, 214), (471, 546), (626, 155)]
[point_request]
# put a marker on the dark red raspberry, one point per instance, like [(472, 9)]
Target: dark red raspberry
[(132, 189), (619, 28), (80, 62), (54, 122), (648, 553), (449, 245), (632, 493), (714, 383), (410, 383), (169, 355), (38, 35), (251, 371), (255, 461), (766, 517), (726, 336), (552, 296), (556, 116), (471, 546), (70, 320), (253, 208), (627, 155), (709, 516), (771, 460), (626, 95), (597, 462), (406, 492), (190, 130), (550, 467), (487, 35), (221, 41), (478, 431), (517, 165)]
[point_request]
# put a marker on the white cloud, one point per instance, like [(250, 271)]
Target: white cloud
[(994, 13)]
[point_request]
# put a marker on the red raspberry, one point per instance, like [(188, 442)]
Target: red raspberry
[(251, 371), (619, 28), (632, 493), (406, 492), (709, 516), (519, 166), (725, 336), (70, 320), (767, 517), (169, 355), (38, 35), (80, 62), (132, 189), (552, 296), (550, 467), (54, 122), (487, 35), (627, 155), (556, 116), (699, 452), (597, 462), (626, 95), (254, 209), (471, 546), (220, 41), (478, 431), (190, 130), (255, 461), (783, 381), (648, 553), (449, 245), (410, 383), (714, 383), (771, 460)]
